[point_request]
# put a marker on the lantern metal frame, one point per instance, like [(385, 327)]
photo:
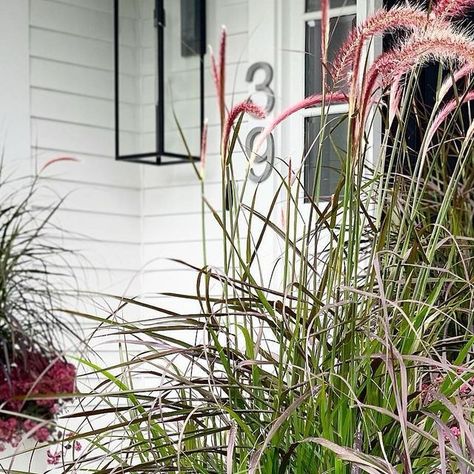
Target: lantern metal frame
[(160, 156)]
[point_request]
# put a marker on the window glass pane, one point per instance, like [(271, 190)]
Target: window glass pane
[(339, 28), (333, 150), (315, 5)]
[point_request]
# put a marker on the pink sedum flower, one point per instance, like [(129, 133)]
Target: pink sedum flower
[(465, 389), (455, 431), (8, 430), (31, 375), (53, 458), (34, 376), (40, 434)]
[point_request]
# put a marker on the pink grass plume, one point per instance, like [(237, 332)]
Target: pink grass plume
[(245, 107), (452, 8), (450, 81), (311, 101), (218, 71), (222, 57), (383, 21), (395, 99), (214, 71), (57, 160), (203, 152), (437, 44), (324, 37), (221, 73)]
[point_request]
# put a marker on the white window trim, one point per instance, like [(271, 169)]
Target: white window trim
[(292, 33), (333, 12)]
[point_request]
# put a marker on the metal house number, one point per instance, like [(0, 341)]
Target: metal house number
[(264, 86)]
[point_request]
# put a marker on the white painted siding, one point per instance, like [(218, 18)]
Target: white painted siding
[(14, 90), (123, 216), (71, 94), (172, 195), (119, 215), (57, 100)]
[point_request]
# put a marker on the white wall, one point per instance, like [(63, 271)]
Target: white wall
[(132, 214), (172, 195), (71, 108), (71, 79), (122, 216), (14, 93), (57, 101)]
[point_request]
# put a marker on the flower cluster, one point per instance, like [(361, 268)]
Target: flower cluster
[(431, 389), (23, 382), (53, 457)]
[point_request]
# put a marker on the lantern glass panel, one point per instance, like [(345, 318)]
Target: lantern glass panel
[(339, 29), (182, 90), (330, 148), (159, 80), (136, 76)]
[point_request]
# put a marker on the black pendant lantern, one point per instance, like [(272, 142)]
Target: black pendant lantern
[(159, 79)]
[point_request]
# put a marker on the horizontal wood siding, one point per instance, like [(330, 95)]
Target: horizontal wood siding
[(72, 114), (172, 195), (122, 216)]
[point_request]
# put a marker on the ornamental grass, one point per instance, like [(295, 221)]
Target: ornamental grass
[(350, 352)]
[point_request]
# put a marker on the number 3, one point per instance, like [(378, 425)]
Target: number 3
[(264, 86)]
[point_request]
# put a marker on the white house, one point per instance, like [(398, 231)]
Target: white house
[(57, 100)]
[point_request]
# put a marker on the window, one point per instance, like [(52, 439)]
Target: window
[(333, 148), (325, 141), (315, 5)]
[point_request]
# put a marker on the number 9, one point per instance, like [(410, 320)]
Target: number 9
[(268, 156)]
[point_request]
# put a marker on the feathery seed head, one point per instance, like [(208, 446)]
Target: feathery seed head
[(214, 70), (243, 107), (450, 107), (383, 21), (438, 44), (452, 8), (222, 58), (218, 71)]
